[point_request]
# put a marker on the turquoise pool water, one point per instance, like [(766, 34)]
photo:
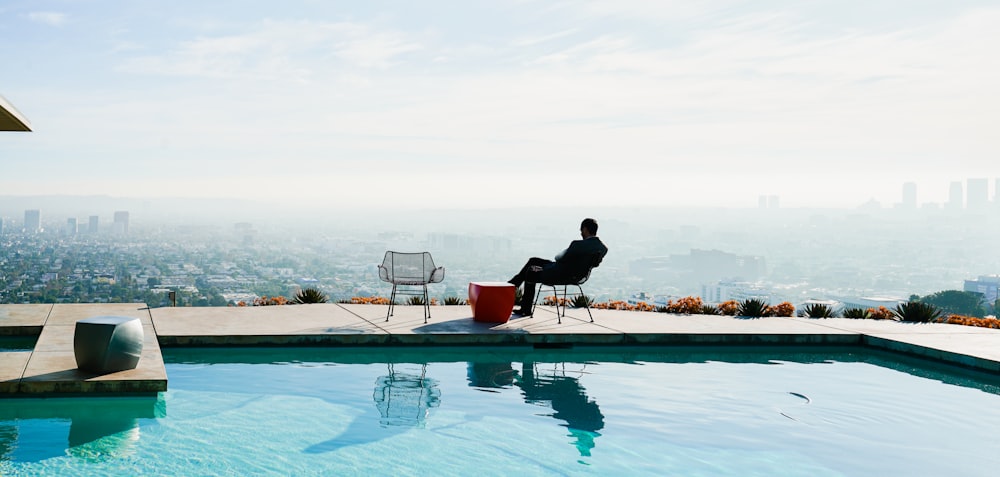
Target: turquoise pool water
[(488, 411)]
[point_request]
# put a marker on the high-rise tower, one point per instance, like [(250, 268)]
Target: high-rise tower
[(32, 221), (977, 194), (121, 222)]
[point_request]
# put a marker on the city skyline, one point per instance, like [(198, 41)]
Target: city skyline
[(713, 104)]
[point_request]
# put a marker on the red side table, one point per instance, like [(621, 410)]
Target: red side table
[(491, 301)]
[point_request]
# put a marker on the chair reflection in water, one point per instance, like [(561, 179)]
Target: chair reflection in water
[(405, 398), (555, 388)]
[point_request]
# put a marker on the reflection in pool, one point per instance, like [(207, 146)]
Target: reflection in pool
[(555, 388), (505, 411)]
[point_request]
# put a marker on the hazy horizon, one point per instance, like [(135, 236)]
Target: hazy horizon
[(498, 104)]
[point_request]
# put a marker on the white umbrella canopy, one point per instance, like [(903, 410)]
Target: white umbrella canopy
[(11, 119)]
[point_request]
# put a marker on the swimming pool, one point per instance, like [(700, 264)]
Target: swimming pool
[(503, 411)]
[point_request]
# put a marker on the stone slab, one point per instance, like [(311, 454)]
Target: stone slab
[(56, 373), (51, 367), (320, 323), (23, 320), (69, 314), (12, 364)]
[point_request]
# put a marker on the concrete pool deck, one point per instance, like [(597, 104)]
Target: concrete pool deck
[(50, 367)]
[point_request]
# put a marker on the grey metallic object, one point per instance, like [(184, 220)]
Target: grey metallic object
[(106, 344)]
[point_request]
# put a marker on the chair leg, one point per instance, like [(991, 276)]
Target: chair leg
[(586, 303), (427, 306), (538, 292), (392, 299)]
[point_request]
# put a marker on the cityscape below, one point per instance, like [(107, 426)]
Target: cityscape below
[(864, 257)]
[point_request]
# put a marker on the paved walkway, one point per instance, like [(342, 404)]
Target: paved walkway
[(50, 366)]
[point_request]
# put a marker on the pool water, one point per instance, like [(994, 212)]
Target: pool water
[(502, 411)]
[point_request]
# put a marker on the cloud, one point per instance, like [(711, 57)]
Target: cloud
[(277, 50), (48, 18)]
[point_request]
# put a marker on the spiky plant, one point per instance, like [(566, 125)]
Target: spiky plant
[(916, 312), (857, 313), (753, 307), (663, 309), (415, 300), (518, 293), (453, 300), (818, 310), (709, 310), (309, 295), (581, 301)]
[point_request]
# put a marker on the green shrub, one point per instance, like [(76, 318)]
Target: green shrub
[(753, 307), (581, 301), (309, 295), (916, 312), (709, 310), (818, 310), (857, 313), (415, 300), (453, 300)]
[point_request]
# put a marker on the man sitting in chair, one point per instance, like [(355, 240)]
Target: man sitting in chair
[(570, 264)]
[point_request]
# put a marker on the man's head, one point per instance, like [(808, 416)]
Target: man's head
[(588, 228)]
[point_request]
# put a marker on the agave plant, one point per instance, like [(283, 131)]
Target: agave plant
[(309, 295), (753, 307), (453, 300), (415, 300), (582, 301), (518, 294), (709, 310), (857, 313), (818, 310), (916, 312)]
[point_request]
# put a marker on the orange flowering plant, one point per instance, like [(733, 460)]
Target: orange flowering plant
[(689, 305), (882, 313), (783, 309), (729, 308), (971, 321)]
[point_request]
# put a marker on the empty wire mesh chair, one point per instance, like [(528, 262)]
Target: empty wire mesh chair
[(406, 271)]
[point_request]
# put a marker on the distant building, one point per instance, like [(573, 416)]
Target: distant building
[(121, 222), (32, 221), (71, 226), (768, 202), (988, 285), (733, 290), (977, 194), (954, 197), (865, 303), (909, 195), (700, 266), (92, 225)]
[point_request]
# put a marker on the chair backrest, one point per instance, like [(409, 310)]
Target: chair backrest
[(581, 273), (400, 267)]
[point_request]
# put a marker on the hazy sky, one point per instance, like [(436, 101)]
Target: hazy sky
[(479, 103)]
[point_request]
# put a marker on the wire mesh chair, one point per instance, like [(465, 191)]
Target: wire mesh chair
[(576, 279), (409, 270)]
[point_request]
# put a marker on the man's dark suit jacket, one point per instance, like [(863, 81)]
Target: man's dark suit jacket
[(574, 262)]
